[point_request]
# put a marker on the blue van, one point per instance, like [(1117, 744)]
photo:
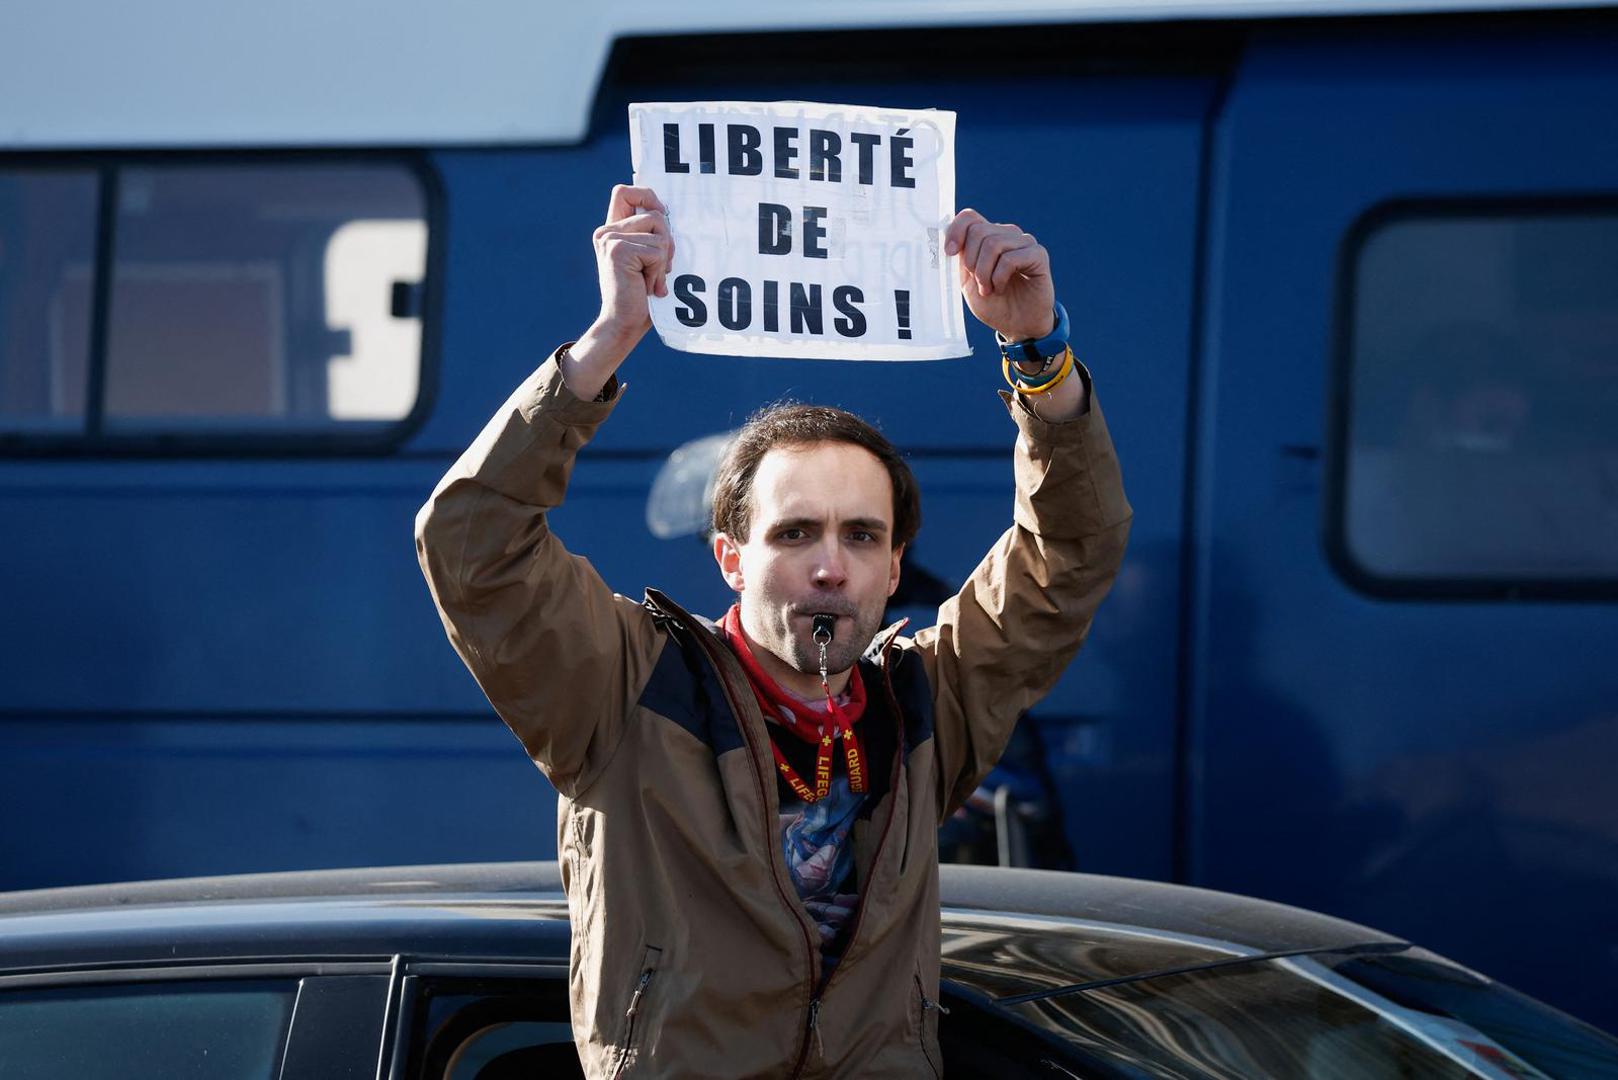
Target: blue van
[(1346, 275)]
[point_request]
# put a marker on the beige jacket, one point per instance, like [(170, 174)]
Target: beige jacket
[(692, 954)]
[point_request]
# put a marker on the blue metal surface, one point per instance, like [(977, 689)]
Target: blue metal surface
[(223, 665), (1441, 770), (188, 621)]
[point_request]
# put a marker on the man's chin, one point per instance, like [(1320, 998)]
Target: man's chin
[(837, 661), (853, 637)]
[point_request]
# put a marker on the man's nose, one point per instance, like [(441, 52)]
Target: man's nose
[(830, 568)]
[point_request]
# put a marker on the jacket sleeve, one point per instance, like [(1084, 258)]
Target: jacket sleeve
[(1001, 643), (558, 654)]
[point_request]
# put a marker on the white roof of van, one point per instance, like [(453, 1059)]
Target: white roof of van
[(197, 73)]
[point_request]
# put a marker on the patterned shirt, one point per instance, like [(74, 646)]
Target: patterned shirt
[(818, 841)]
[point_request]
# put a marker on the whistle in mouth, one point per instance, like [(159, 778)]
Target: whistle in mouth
[(825, 628)]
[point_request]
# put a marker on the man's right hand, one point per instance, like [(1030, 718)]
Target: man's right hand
[(634, 254)]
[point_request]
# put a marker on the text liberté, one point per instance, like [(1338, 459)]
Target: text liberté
[(825, 157)]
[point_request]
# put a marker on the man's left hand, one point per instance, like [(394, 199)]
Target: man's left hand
[(1005, 276)]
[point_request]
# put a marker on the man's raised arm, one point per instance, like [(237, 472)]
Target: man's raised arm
[(555, 651), (634, 251), (1001, 643)]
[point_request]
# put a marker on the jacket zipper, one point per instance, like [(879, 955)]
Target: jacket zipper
[(876, 860), (814, 1029), (811, 1031), (928, 1005), (629, 1022), (811, 1028)]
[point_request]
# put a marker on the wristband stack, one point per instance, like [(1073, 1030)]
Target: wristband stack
[(1042, 381), (1052, 351)]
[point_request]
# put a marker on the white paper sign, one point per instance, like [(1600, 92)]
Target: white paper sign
[(804, 230)]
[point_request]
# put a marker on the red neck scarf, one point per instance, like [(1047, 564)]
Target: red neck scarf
[(803, 720)]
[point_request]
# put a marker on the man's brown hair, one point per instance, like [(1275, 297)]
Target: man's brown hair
[(788, 423)]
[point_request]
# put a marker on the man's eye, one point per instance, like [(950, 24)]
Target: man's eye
[(791, 534), (860, 536)]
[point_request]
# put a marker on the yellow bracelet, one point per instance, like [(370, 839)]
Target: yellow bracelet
[(1062, 373), (1023, 382)]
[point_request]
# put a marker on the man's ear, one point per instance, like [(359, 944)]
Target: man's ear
[(728, 554), (893, 571)]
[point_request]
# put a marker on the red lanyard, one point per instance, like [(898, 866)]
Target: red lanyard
[(843, 730), (803, 720)]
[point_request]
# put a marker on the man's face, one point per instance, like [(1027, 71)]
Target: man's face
[(821, 540)]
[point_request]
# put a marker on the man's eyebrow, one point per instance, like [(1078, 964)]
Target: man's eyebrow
[(875, 525), (793, 523)]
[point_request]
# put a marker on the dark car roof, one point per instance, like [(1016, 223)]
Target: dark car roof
[(1007, 933)]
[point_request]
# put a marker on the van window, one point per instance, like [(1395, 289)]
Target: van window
[(47, 258), (1481, 384), (261, 299)]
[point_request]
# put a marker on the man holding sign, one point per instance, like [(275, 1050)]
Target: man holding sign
[(749, 808)]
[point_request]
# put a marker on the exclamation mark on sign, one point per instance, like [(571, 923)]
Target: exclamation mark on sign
[(901, 305)]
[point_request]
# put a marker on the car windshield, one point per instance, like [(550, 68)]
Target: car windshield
[(1326, 1015)]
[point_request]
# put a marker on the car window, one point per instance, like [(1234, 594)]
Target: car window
[(491, 1029), (1243, 1020), (224, 1030), (979, 1038), (508, 1050), (1327, 1017), (1521, 1028)]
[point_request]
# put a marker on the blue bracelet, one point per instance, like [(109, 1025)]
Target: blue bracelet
[(1045, 350)]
